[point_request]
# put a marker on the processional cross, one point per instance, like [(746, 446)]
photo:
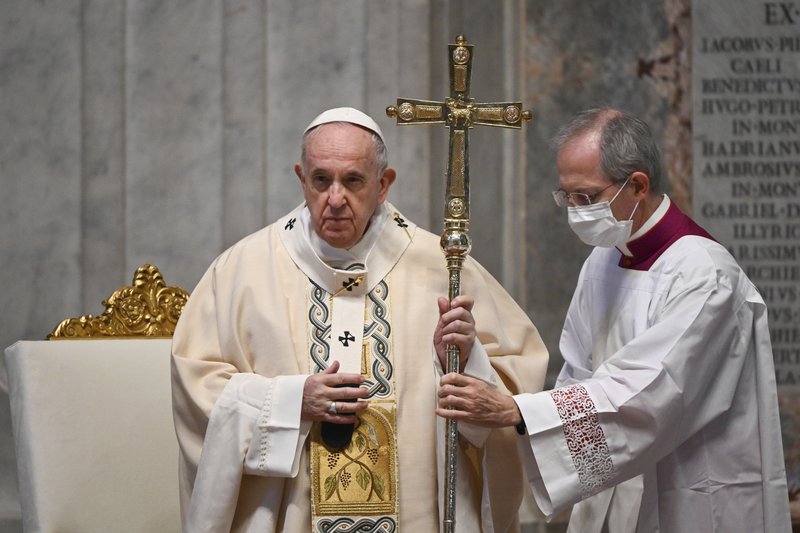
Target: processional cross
[(459, 113)]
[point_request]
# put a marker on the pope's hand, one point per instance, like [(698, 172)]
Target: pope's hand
[(321, 390), (456, 326), (468, 399)]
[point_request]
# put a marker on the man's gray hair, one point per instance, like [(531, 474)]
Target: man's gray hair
[(626, 144), (381, 153)]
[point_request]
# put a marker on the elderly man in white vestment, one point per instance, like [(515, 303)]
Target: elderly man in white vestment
[(664, 417), (307, 361)]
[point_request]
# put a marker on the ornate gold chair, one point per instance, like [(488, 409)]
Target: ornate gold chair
[(92, 417)]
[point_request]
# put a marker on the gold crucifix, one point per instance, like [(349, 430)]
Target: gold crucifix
[(459, 113)]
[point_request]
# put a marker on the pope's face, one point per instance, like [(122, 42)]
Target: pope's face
[(340, 182)]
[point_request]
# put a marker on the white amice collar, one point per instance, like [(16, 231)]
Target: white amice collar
[(649, 224), (387, 238), (357, 253)]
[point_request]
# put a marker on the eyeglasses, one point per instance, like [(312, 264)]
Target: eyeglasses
[(564, 199)]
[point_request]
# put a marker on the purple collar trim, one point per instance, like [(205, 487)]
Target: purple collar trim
[(649, 247)]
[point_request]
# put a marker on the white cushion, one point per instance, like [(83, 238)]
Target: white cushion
[(95, 442)]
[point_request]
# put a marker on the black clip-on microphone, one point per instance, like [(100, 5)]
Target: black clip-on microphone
[(338, 436)]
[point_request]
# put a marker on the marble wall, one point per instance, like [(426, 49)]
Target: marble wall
[(150, 131)]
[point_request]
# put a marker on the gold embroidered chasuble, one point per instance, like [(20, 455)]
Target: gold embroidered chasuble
[(354, 488), (256, 324)]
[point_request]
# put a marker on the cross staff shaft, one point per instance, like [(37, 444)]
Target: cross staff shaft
[(459, 112)]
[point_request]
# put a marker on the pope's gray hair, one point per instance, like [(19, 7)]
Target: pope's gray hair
[(626, 144), (381, 153)]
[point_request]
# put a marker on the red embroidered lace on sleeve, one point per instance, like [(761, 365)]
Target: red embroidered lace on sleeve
[(585, 438)]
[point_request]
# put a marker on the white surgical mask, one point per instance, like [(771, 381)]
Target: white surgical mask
[(596, 225)]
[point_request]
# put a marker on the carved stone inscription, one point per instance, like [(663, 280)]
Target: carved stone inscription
[(746, 152)]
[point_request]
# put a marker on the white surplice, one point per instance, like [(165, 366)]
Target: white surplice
[(665, 413), (241, 356)]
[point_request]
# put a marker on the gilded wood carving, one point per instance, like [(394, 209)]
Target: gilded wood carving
[(148, 308)]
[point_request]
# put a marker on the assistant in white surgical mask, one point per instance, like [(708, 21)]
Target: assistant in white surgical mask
[(596, 225)]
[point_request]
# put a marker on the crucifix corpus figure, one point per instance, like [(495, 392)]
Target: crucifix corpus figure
[(459, 113)]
